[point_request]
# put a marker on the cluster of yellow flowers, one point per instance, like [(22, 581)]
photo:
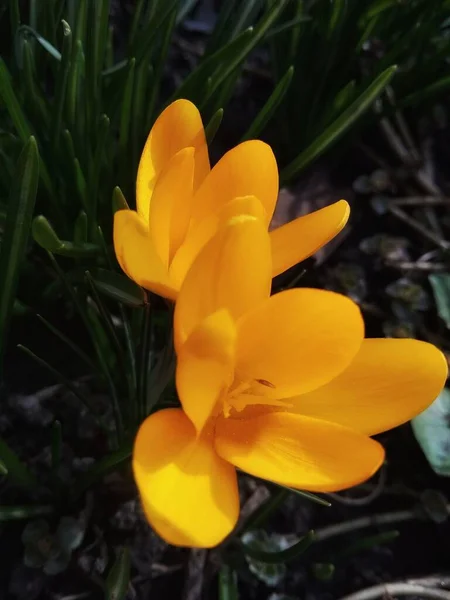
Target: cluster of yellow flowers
[(284, 387)]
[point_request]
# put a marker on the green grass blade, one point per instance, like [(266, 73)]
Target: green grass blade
[(46, 237), (48, 47), (213, 126), (36, 103), (159, 65), (17, 471), (85, 400), (119, 288), (269, 108), (118, 579), (14, 15), (339, 126), (80, 229), (258, 35), (18, 512), (61, 82), (260, 516), (73, 85), (17, 230), (195, 81), (102, 133), (427, 92), (69, 343), (271, 558), (243, 17), (125, 120), (12, 104), (228, 588)]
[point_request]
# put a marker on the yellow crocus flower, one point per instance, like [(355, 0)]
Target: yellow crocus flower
[(285, 388), (178, 198)]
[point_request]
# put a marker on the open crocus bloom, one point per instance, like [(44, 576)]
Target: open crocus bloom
[(282, 387), (179, 199)]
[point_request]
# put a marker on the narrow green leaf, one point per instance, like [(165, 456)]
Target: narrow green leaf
[(440, 285), (260, 516), (269, 108), (337, 15), (125, 118), (243, 17), (14, 15), (107, 321), (339, 126), (118, 200), (292, 24), (143, 49), (381, 5), (69, 343), (160, 62), (196, 79), (283, 556), (80, 229), (96, 335), (80, 23), (258, 34), (17, 230), (220, 35), (46, 237), (103, 33), (118, 579), (37, 106), (12, 104), (428, 91), (61, 82), (185, 9), (80, 182), (18, 512), (310, 497), (102, 132), (3, 469), (17, 471), (228, 589), (25, 30), (61, 378), (74, 83), (92, 58), (213, 126), (140, 123), (101, 468), (137, 21), (120, 288)]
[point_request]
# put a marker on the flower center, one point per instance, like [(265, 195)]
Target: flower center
[(241, 393)]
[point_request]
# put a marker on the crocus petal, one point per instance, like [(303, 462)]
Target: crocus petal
[(205, 366), (388, 382), (233, 271), (170, 208), (297, 340), (249, 169), (200, 235), (297, 451), (137, 255), (301, 238), (178, 126), (189, 494)]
